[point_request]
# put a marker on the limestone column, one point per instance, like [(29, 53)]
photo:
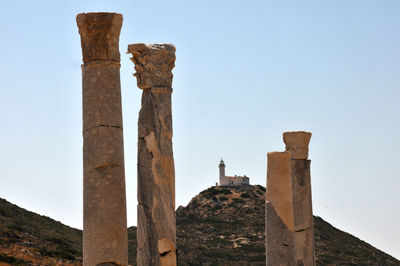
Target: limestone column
[(279, 223), (104, 204), (156, 174), (297, 144)]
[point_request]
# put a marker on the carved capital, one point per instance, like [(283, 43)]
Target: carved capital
[(297, 143), (99, 36), (153, 64)]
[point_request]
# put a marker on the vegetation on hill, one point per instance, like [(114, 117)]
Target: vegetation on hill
[(223, 226), (26, 237), (226, 226), (220, 226)]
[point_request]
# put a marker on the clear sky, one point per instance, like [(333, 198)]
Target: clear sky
[(246, 71)]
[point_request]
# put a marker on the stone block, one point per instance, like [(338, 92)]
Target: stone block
[(153, 64), (302, 203), (99, 35), (297, 143), (279, 239), (279, 186), (104, 204), (101, 96), (304, 247), (156, 174)]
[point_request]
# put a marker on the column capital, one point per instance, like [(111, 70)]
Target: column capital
[(99, 36), (297, 143), (153, 64)]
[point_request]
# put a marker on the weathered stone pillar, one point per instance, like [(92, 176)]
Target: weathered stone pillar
[(297, 144), (279, 223), (104, 204), (156, 174)]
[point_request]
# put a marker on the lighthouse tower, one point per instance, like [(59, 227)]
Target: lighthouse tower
[(221, 171)]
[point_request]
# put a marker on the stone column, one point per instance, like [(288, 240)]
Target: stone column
[(279, 223), (156, 174), (297, 144), (104, 205)]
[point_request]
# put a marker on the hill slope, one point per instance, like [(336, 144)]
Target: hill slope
[(26, 237), (220, 226), (225, 226)]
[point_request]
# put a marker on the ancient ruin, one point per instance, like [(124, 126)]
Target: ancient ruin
[(104, 204), (289, 220), (297, 144), (156, 228), (231, 181), (279, 222)]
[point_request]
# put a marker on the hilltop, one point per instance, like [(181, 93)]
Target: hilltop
[(226, 226), (219, 226)]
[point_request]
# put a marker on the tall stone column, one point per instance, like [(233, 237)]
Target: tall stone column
[(279, 223), (297, 144), (156, 174), (104, 204)]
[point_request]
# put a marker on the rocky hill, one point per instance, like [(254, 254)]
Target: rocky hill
[(225, 226), (220, 226), (29, 238)]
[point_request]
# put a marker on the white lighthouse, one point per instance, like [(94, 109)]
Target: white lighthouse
[(221, 170), (231, 181)]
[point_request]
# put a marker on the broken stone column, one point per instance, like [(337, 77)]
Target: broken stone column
[(104, 205), (297, 144), (279, 220), (156, 174)]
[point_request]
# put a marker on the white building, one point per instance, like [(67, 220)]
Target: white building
[(231, 181)]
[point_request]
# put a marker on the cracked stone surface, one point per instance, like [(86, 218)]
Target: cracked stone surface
[(297, 143), (288, 197), (302, 194), (279, 223), (302, 204), (104, 211), (289, 219), (100, 36), (153, 64), (279, 239), (156, 231)]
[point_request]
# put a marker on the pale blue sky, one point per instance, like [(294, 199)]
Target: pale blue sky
[(246, 71)]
